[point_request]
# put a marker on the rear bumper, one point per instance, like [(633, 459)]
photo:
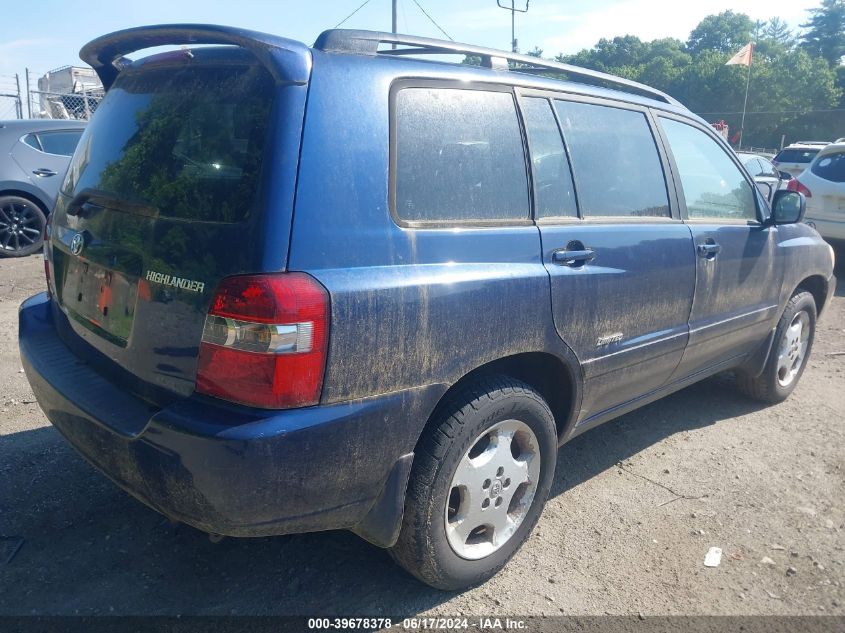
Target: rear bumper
[(229, 469), (829, 229)]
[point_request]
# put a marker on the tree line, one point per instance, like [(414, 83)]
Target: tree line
[(797, 81)]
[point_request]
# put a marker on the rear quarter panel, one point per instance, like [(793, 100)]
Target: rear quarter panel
[(409, 306)]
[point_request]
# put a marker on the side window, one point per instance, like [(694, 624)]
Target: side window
[(768, 169), (754, 167), (830, 167), (554, 194), (61, 143), (459, 156), (615, 161), (713, 185)]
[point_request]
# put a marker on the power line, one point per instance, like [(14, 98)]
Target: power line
[(363, 4), (440, 28)]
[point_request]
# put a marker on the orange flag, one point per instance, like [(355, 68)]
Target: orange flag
[(743, 57)]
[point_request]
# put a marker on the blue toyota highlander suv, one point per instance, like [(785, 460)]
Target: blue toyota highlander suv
[(352, 286)]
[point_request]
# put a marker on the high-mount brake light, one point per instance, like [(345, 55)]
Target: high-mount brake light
[(264, 341)]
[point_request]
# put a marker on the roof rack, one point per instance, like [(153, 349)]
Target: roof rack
[(367, 43)]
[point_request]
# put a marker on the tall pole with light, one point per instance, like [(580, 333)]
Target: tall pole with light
[(512, 8)]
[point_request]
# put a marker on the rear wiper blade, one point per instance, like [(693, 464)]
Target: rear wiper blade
[(89, 200)]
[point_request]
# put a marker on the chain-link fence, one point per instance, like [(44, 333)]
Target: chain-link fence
[(11, 106), (53, 105)]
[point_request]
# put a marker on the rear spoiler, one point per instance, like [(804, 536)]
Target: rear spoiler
[(287, 60)]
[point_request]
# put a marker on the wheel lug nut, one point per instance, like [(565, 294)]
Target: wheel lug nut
[(498, 501), (486, 484), (485, 503), (507, 483), (500, 471)]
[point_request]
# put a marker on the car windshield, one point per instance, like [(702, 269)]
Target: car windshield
[(186, 140), (796, 155)]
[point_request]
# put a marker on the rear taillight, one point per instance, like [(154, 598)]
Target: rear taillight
[(264, 341), (797, 185)]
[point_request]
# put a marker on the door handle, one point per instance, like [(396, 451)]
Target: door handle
[(709, 250), (42, 172), (573, 258)]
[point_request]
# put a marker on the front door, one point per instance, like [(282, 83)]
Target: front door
[(622, 269), (737, 272)]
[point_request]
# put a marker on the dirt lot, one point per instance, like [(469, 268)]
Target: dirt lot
[(764, 484)]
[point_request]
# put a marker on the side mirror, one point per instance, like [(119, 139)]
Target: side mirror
[(788, 207), (785, 175)]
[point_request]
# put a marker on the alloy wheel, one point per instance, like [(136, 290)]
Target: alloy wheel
[(492, 489)]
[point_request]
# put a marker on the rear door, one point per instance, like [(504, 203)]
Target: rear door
[(163, 198), (44, 157), (621, 263), (738, 276)]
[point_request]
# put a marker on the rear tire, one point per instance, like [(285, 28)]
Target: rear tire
[(22, 224), (791, 347), (488, 458)]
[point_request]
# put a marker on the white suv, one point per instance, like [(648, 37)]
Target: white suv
[(793, 159), (823, 184)]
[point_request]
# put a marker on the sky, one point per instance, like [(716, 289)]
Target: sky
[(48, 34)]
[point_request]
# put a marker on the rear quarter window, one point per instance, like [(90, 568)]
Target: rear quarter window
[(796, 155), (459, 156), (830, 167)]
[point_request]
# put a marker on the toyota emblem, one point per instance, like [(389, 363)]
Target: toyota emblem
[(77, 244)]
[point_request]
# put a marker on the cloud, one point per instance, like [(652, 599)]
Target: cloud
[(650, 19)]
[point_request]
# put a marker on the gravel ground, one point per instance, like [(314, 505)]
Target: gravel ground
[(635, 506)]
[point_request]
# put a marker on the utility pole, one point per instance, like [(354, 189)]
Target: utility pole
[(513, 11), (28, 97), (20, 103), (393, 21)]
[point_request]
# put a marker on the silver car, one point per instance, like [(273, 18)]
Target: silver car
[(768, 178), (34, 155)]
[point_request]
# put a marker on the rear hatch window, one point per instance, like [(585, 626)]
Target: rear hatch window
[(796, 155), (185, 141), (162, 198)]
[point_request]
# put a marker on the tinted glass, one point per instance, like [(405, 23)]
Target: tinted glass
[(32, 141), (187, 140), (554, 195), (459, 156), (830, 167), (796, 155), (713, 185), (61, 143), (615, 161), (752, 165), (767, 168)]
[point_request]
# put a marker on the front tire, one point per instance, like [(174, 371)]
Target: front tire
[(791, 348), (22, 224), (482, 472)]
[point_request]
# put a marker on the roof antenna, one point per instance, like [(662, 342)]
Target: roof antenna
[(513, 11)]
